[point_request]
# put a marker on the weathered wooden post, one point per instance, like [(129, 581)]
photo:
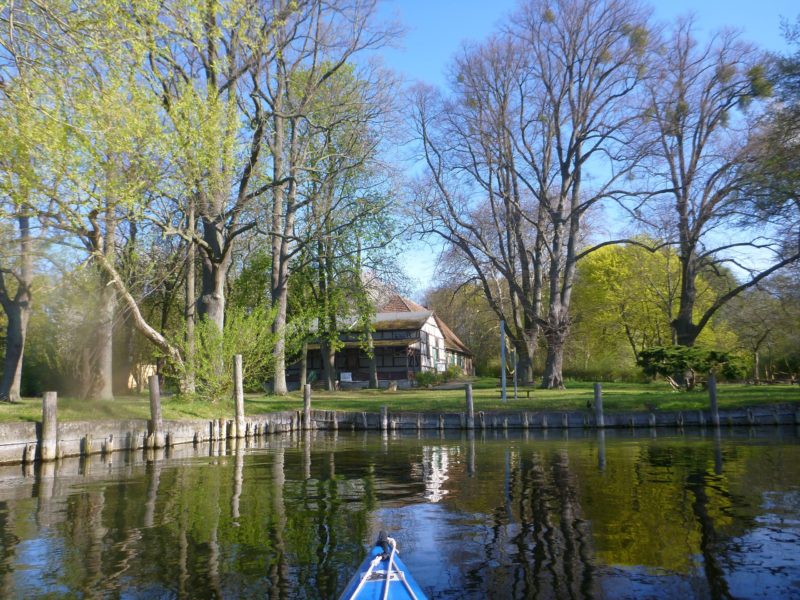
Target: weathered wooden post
[(470, 407), (384, 418), (307, 406), (49, 443), (155, 425), (598, 406), (238, 394), (712, 397)]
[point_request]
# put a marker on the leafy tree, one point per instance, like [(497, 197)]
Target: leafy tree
[(317, 41)]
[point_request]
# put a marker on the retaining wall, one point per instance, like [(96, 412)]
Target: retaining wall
[(20, 442)]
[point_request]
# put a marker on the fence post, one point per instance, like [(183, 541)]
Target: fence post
[(49, 443), (238, 391), (598, 406), (470, 407), (155, 424)]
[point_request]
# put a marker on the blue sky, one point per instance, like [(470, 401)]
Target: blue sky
[(435, 29)]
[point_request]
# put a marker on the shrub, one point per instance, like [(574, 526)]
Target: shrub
[(679, 364), (453, 372), (426, 378), (247, 333)]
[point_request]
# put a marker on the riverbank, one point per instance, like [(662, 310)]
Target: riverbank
[(56, 437), (617, 397)]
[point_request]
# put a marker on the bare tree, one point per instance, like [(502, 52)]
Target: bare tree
[(473, 196), (700, 150), (587, 59), (541, 137)]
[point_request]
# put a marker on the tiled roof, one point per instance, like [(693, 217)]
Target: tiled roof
[(396, 303)]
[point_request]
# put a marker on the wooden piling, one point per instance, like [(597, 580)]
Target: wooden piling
[(712, 398), (49, 443), (384, 418), (599, 419), (307, 406), (238, 395), (155, 425), (29, 454), (470, 406)]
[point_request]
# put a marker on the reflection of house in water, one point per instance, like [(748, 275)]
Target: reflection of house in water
[(407, 339), (435, 468)]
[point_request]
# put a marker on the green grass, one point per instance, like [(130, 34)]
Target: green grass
[(616, 397)]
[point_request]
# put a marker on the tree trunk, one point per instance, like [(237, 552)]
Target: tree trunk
[(526, 351), (18, 312), (214, 270), (556, 335), (683, 325), (328, 355), (16, 330), (373, 363), (188, 383), (553, 373), (101, 373), (756, 366), (304, 365), (104, 345), (279, 328)]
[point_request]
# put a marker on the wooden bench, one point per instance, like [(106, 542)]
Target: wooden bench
[(510, 392)]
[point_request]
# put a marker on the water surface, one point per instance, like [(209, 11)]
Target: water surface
[(503, 515)]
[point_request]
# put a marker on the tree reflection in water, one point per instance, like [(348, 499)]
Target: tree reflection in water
[(484, 514)]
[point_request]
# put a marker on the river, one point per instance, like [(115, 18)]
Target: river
[(545, 514)]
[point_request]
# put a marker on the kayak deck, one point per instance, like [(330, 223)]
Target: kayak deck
[(370, 582)]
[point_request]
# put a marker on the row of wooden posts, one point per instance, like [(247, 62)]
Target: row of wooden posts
[(238, 429)]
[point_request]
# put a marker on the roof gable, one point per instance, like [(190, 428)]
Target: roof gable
[(396, 303)]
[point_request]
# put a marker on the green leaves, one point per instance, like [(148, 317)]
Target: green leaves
[(680, 363)]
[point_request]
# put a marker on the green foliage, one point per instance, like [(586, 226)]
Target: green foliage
[(248, 333), (426, 378), (453, 372), (760, 84), (678, 364)]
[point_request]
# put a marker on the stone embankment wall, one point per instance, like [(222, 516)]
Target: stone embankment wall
[(21, 442)]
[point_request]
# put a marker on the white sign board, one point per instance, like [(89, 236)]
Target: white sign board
[(346, 377)]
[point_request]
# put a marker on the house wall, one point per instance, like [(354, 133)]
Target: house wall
[(432, 351), (427, 354)]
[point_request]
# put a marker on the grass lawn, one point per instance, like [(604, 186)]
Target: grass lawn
[(486, 393)]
